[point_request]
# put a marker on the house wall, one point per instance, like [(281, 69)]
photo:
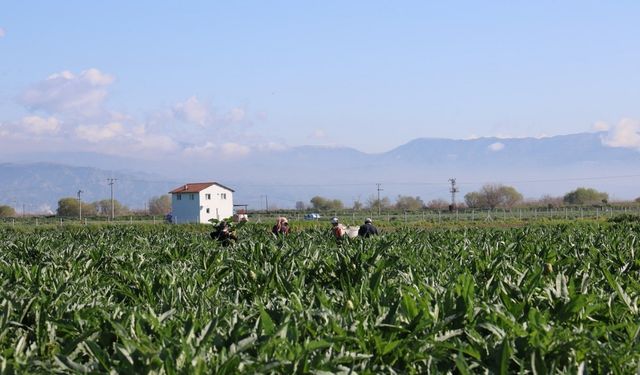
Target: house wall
[(188, 210), (220, 204), (185, 209)]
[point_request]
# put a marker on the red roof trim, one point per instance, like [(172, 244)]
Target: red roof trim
[(196, 187)]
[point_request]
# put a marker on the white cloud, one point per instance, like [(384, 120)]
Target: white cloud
[(318, 134), (193, 111), (209, 149), (625, 134), (206, 150), (154, 143), (272, 146), (97, 133), (234, 150), (236, 115), (2, 32), (39, 125), (497, 146), (601, 126), (65, 92)]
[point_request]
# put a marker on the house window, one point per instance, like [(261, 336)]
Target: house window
[(179, 197), (207, 196), (192, 196), (208, 210), (223, 195)]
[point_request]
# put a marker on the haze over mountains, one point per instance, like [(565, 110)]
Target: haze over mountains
[(534, 166)]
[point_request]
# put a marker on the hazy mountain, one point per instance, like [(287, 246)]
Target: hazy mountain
[(535, 166)]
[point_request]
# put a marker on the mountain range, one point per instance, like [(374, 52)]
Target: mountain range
[(421, 167)]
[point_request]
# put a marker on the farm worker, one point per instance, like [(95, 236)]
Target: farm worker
[(224, 233), (338, 230), (367, 229), (281, 226)]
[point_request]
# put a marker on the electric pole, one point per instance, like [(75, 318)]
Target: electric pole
[(111, 180), (453, 190), (379, 203), (80, 204)]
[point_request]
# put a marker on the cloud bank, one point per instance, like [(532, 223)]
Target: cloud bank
[(67, 93), (69, 111), (625, 134)]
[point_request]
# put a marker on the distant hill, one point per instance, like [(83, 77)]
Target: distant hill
[(535, 166), (40, 185)]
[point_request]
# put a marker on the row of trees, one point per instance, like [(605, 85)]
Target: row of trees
[(489, 196), (493, 196), (71, 207)]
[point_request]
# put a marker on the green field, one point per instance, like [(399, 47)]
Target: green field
[(558, 297)]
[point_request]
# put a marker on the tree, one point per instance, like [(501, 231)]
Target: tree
[(300, 206), (324, 204), (7, 211), (550, 201), (638, 200), (70, 207), (357, 205), (492, 196), (438, 204), (103, 207), (160, 205), (473, 200), (408, 203), (586, 196), (373, 203)]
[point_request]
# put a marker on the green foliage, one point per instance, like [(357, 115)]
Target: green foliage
[(323, 204), (584, 196), (492, 196), (167, 299), (70, 207), (7, 211), (103, 207), (160, 205), (408, 203)]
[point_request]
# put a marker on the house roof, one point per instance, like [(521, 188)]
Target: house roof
[(196, 187)]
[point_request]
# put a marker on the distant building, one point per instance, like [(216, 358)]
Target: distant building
[(198, 202)]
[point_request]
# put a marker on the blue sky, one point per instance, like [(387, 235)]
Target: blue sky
[(210, 78)]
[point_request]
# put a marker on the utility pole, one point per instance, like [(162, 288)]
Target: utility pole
[(453, 190), (80, 204), (266, 202), (379, 203), (111, 180)]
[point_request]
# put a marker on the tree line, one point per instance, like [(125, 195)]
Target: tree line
[(69, 207), (489, 196)]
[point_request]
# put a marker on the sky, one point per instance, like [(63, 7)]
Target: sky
[(204, 78)]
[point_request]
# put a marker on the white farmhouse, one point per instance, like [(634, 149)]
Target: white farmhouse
[(198, 202)]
